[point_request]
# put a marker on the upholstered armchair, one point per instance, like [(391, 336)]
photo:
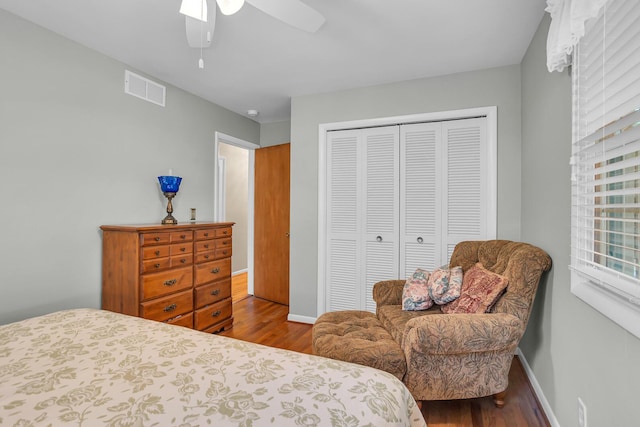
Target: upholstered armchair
[(443, 356), (458, 356)]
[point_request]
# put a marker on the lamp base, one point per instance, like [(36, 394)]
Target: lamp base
[(169, 219)]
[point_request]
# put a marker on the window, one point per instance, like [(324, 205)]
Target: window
[(605, 253)]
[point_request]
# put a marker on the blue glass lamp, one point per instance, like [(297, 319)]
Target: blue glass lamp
[(170, 186)]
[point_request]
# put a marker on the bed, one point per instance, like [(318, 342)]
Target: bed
[(88, 367)]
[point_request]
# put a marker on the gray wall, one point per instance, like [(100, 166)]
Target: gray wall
[(573, 349), (275, 133), (237, 200), (77, 152), (499, 86)]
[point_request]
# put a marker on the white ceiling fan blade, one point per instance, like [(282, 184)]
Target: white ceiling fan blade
[(229, 7), (293, 12), (197, 9)]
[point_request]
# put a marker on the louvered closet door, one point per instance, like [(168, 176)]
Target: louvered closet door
[(466, 196), (420, 215), (344, 246), (362, 220), (381, 203)]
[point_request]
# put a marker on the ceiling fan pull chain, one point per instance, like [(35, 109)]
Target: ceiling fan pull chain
[(201, 61)]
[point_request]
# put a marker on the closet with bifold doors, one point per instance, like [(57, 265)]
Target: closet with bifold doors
[(401, 197)]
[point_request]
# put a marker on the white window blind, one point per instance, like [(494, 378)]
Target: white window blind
[(606, 158)]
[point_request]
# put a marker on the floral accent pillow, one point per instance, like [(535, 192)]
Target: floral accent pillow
[(415, 294), (444, 284), (481, 289)]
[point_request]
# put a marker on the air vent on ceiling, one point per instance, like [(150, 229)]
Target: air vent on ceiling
[(144, 88)]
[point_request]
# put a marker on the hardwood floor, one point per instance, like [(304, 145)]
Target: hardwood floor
[(264, 322)]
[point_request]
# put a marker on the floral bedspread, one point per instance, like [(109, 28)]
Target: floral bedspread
[(90, 367)]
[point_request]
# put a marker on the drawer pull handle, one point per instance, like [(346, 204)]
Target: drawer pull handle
[(206, 246), (169, 308), (206, 257), (225, 252), (183, 260), (157, 239), (224, 232), (157, 252), (216, 313), (206, 234), (183, 249), (157, 265), (182, 236), (215, 270), (215, 292), (170, 282)]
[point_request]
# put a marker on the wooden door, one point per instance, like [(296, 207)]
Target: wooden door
[(271, 224)]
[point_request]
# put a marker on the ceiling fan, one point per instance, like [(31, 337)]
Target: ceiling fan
[(200, 22)]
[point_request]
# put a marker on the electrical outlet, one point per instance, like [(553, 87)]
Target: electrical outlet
[(582, 413)]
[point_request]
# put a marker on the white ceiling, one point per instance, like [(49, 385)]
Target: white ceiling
[(258, 62)]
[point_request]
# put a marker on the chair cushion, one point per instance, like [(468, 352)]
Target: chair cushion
[(415, 293), (481, 288), (394, 319), (357, 337), (444, 284)]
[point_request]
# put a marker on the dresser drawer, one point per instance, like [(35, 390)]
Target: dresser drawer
[(151, 265), (223, 252), (213, 292), (212, 314), (214, 270), (205, 256), (205, 246), (213, 233), (151, 252), (207, 233), (181, 236), (165, 308), (211, 255), (160, 238), (223, 243), (181, 248), (210, 245), (185, 320), (181, 260), (223, 232), (158, 284)]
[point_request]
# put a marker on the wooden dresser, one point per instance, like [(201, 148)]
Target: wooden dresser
[(179, 274)]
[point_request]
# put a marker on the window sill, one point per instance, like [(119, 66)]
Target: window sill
[(615, 307)]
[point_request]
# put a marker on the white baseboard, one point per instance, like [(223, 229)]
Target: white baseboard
[(244, 270), (553, 421), (301, 319)]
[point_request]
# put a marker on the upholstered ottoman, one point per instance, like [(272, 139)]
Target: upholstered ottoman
[(357, 337)]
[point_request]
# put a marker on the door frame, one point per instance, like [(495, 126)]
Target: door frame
[(490, 112), (219, 193)]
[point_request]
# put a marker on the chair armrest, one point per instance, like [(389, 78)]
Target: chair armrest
[(388, 292), (462, 333)]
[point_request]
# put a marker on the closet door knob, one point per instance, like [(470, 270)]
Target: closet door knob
[(420, 240), (379, 238)]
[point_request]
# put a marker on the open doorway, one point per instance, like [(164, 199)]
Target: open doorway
[(234, 200), (261, 233)]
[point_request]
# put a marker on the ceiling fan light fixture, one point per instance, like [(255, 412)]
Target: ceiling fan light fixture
[(196, 9), (229, 7)]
